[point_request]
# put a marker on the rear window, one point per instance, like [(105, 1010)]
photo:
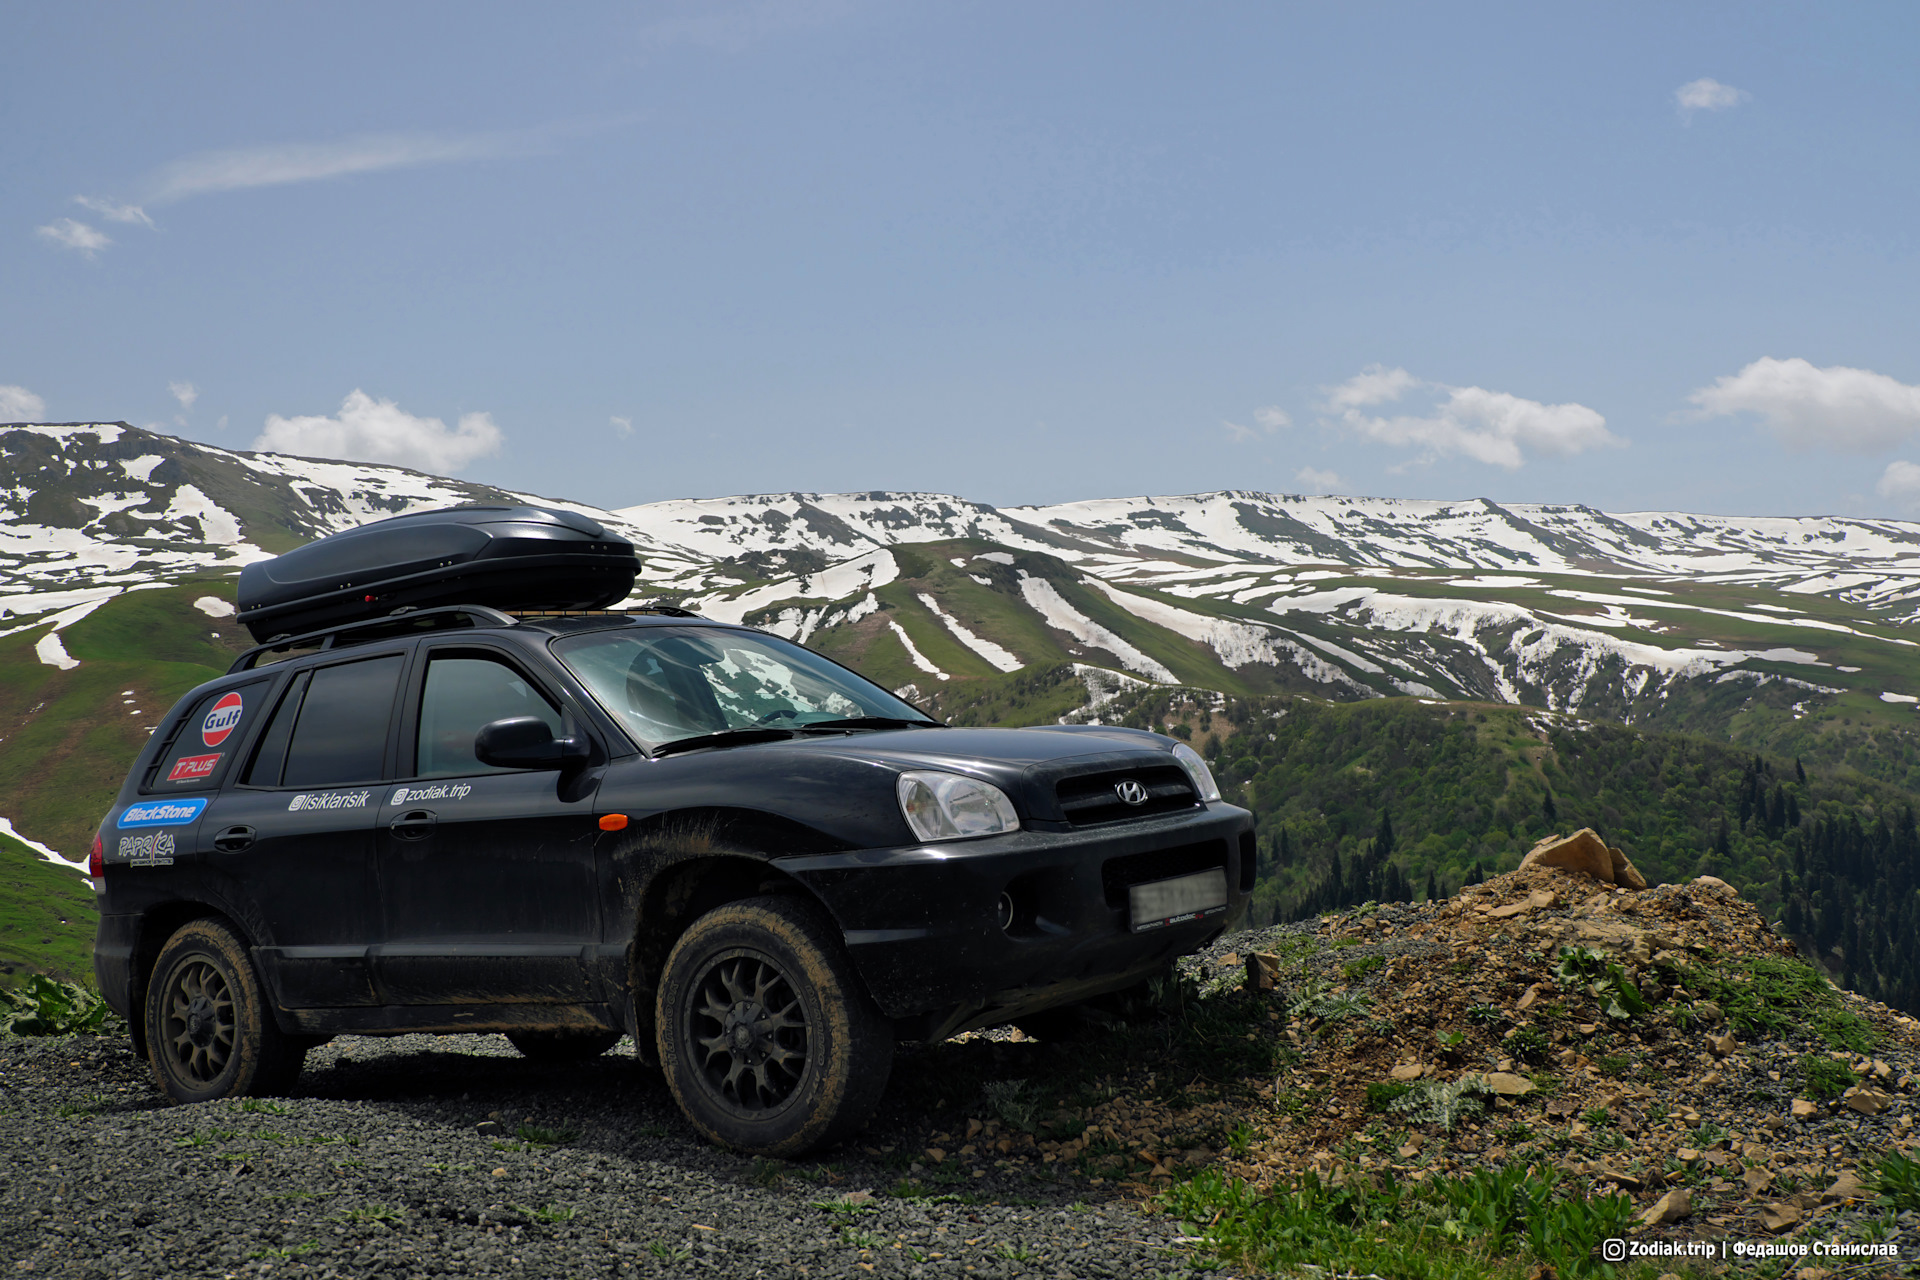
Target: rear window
[(206, 739)]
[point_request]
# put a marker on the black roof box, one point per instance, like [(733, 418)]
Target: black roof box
[(507, 557)]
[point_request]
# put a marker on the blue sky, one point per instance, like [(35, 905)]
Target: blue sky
[(1635, 256)]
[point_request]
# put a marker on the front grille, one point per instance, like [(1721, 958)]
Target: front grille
[(1092, 798), (1118, 874)]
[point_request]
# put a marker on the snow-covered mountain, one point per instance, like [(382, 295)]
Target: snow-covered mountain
[(1621, 615)]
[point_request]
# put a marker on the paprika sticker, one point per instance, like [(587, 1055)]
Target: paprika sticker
[(221, 721)]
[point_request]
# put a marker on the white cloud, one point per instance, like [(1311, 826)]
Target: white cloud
[(1239, 433), (17, 404), (114, 212), (313, 161), (1319, 481), (1901, 483), (369, 430), (1851, 410), (71, 234), (1707, 94), (184, 392), (1488, 426), (1272, 417), (621, 426)]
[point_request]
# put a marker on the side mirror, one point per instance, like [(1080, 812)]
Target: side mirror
[(525, 742)]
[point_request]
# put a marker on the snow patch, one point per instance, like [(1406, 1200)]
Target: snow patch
[(1051, 605), (993, 653), (913, 652), (141, 468), (51, 855), (1898, 697), (53, 653), (213, 607)]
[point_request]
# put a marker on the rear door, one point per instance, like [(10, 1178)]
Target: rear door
[(298, 829), (487, 885)]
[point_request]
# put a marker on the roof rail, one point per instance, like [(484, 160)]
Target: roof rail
[(401, 621), (666, 610)]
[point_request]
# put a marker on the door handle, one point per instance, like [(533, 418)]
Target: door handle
[(417, 824), (234, 839)]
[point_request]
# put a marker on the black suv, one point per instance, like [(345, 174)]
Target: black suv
[(763, 866)]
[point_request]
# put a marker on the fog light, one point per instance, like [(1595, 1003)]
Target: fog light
[(1005, 908)]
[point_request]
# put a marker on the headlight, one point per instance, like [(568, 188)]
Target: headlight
[(1197, 770), (947, 806)]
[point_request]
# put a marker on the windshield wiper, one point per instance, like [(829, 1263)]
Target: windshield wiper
[(870, 722), (724, 738)]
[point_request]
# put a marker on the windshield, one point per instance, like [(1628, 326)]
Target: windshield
[(666, 684)]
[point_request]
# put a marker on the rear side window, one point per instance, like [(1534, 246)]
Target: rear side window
[(460, 696), (270, 757), (206, 739), (340, 735)]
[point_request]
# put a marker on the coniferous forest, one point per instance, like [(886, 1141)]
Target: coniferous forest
[(1398, 800)]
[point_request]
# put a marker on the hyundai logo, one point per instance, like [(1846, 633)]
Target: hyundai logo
[(1131, 791)]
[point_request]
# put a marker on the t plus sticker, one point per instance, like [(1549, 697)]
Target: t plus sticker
[(193, 768), (221, 721)]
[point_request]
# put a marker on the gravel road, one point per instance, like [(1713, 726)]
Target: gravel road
[(377, 1166)]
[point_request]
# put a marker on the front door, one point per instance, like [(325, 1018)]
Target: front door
[(486, 875)]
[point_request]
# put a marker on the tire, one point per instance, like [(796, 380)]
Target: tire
[(210, 1033), (767, 1040), (563, 1046)]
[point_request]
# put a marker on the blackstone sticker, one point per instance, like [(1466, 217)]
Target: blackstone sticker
[(194, 768), (155, 849), (160, 813), (329, 800), (443, 791), (222, 720)]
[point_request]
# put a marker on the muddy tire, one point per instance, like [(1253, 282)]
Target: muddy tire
[(767, 1040), (563, 1046), (209, 1031)]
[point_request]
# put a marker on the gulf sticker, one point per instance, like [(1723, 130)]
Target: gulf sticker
[(221, 721), (193, 768)]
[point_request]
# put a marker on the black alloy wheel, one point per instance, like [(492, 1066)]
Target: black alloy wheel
[(768, 1041), (209, 1031), (751, 1032)]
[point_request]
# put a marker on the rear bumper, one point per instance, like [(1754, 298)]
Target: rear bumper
[(923, 929), (113, 950)]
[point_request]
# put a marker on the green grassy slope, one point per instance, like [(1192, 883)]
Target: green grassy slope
[(47, 917), (69, 736)]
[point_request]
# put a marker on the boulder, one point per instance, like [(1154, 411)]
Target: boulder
[(1670, 1207), (1507, 1085), (1585, 853)]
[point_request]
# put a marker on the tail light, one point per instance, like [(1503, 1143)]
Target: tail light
[(97, 864)]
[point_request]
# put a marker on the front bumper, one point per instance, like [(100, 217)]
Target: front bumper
[(922, 922)]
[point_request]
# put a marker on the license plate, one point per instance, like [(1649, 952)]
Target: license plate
[(1164, 902)]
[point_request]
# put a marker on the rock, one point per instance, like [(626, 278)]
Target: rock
[(1671, 1207), (1509, 911), (1805, 1110), (1716, 886), (1722, 1045), (1408, 1071), (1757, 1180), (1507, 1085), (1583, 853), (1781, 1217), (936, 1155), (1845, 1187), (1263, 972), (1625, 874), (1686, 1155), (1229, 960), (1528, 997), (1708, 1013), (488, 1128), (1868, 1102)]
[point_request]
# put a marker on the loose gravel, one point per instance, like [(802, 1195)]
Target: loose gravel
[(384, 1162)]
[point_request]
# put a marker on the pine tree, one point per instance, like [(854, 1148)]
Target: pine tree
[(1383, 838), (1549, 810), (1433, 887), (1722, 842), (1799, 771)]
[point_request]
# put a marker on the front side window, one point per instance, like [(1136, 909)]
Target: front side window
[(460, 696), (666, 684)]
